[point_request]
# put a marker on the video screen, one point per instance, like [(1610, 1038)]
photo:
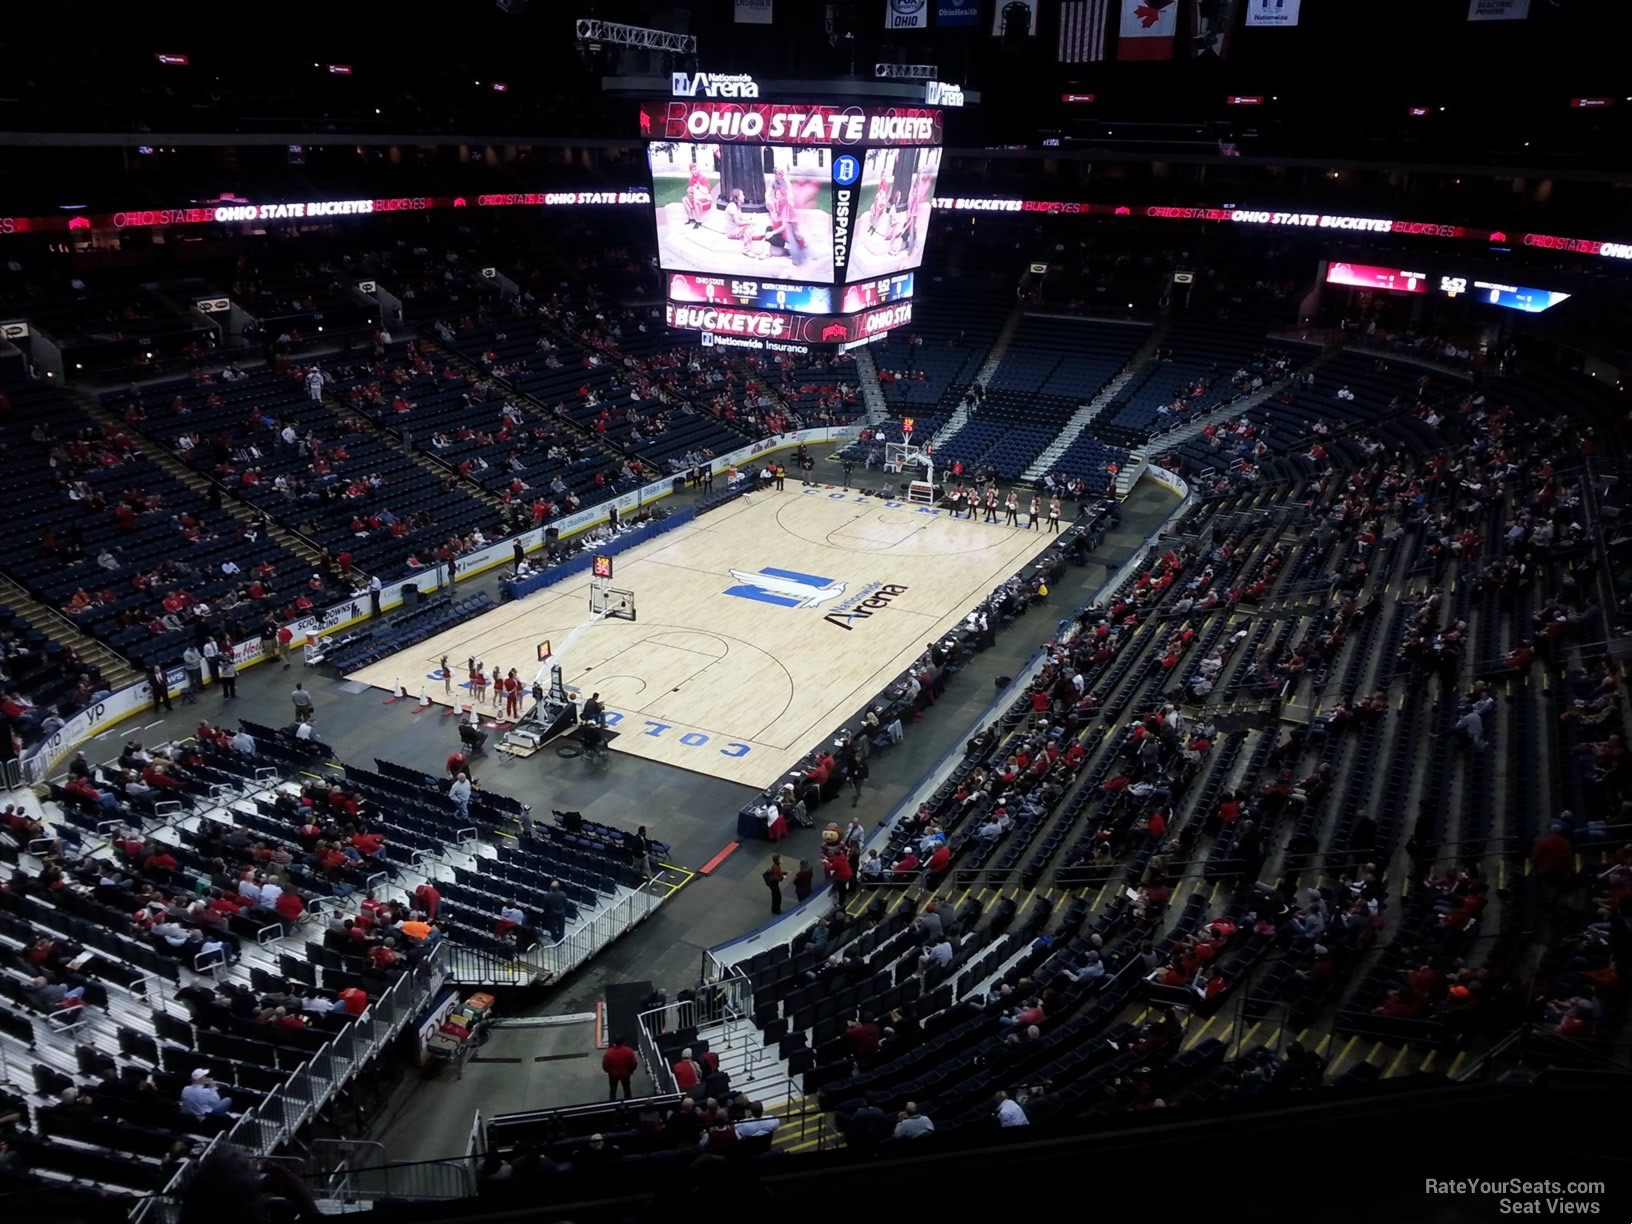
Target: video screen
[(865, 295), (1518, 297), (759, 211), (892, 222), (740, 291), (1372, 276)]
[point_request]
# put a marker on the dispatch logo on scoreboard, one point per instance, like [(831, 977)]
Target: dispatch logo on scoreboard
[(846, 174)]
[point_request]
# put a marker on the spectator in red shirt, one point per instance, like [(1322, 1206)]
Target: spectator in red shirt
[(836, 867), (620, 1062), (862, 1038), (1554, 857), (687, 1073), (427, 898)]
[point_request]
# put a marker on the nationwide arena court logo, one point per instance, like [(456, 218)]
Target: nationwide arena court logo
[(785, 588), (791, 589)]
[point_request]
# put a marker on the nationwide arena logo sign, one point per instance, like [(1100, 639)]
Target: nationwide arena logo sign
[(715, 85)]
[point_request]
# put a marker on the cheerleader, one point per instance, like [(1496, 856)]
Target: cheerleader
[(1054, 516), (991, 504), (1033, 514), (699, 197), (447, 678), (737, 227), (478, 684), (1011, 510), (881, 205)]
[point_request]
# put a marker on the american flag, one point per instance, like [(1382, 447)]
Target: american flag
[(1082, 31)]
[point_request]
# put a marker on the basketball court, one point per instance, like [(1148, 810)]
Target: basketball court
[(756, 628)]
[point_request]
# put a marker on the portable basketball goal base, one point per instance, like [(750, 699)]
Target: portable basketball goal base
[(902, 456), (555, 712)]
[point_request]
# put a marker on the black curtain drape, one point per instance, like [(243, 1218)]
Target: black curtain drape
[(742, 168)]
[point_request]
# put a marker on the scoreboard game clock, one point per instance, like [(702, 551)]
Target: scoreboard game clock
[(601, 566), (1524, 298)]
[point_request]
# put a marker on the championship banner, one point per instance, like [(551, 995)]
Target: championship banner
[(950, 14), (1016, 15), (1498, 10), (1148, 29), (1271, 14), (906, 14), (754, 12), (1082, 31), (1210, 25)]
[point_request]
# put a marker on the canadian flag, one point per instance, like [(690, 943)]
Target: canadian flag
[(1148, 29)]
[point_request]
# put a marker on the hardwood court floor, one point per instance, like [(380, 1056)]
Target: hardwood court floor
[(760, 625)]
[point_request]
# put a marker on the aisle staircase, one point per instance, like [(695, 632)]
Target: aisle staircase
[(1089, 412), (117, 671), (756, 1069), (983, 376), (230, 504), (871, 393)]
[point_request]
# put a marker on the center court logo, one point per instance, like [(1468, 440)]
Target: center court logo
[(791, 589), (785, 588)]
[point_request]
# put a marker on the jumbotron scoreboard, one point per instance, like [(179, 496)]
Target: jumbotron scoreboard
[(788, 225)]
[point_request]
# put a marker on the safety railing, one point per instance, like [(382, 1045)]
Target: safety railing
[(671, 1017), (726, 1001), (553, 961), (589, 937), (805, 1126), (481, 967), (361, 1174), (262, 1130)]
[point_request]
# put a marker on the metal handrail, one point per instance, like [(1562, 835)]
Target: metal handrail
[(16, 592)]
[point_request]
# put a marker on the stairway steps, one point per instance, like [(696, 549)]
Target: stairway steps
[(871, 393), (117, 671), (994, 358), (1086, 415), (239, 510)]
